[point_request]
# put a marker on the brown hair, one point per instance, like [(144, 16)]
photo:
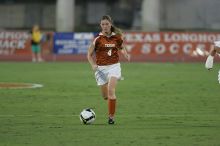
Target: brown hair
[(113, 28)]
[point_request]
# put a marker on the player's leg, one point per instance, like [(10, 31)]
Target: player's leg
[(210, 59), (39, 57), (112, 98), (213, 51), (219, 76), (33, 48), (102, 82), (104, 91), (34, 57)]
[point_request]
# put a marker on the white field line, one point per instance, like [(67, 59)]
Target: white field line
[(19, 85)]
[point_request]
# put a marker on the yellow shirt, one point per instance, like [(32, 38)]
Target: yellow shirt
[(36, 36)]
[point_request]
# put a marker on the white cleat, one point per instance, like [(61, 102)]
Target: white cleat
[(34, 60)]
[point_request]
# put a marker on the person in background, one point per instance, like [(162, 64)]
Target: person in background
[(210, 59), (36, 37), (107, 68)]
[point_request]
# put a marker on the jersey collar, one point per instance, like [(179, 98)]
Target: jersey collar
[(113, 33)]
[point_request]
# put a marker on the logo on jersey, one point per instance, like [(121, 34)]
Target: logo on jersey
[(109, 45)]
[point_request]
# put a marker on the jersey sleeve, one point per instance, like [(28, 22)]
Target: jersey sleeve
[(95, 39)]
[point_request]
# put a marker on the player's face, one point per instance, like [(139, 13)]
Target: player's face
[(106, 26)]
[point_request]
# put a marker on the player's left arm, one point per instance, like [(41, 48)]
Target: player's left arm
[(123, 49), (125, 52)]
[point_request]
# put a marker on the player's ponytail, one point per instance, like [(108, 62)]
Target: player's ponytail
[(113, 28), (116, 30)]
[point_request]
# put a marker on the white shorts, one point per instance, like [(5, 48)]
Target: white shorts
[(217, 44), (103, 73)]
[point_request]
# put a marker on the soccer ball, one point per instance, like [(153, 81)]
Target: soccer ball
[(87, 116)]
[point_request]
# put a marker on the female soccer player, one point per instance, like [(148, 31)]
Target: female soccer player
[(210, 58), (107, 67)]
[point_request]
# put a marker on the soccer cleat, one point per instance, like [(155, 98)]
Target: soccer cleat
[(40, 60), (111, 121), (34, 60)]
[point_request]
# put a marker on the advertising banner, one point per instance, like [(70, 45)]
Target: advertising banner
[(12, 42), (19, 42), (178, 45), (143, 46), (72, 43)]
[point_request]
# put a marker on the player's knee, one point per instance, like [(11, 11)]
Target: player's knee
[(112, 97), (111, 94)]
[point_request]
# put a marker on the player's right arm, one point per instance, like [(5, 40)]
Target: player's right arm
[(90, 56)]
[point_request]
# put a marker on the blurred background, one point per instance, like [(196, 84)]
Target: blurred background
[(84, 15), (137, 16)]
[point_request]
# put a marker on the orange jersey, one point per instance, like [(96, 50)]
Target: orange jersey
[(106, 49)]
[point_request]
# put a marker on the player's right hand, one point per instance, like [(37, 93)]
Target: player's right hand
[(94, 67)]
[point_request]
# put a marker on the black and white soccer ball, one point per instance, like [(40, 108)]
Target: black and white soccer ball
[(87, 116)]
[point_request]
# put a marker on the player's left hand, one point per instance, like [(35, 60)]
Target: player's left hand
[(128, 57)]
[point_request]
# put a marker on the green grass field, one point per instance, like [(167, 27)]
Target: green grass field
[(159, 104)]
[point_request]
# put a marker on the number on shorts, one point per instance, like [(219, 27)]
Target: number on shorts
[(109, 52)]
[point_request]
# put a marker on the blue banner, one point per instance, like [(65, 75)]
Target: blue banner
[(72, 43)]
